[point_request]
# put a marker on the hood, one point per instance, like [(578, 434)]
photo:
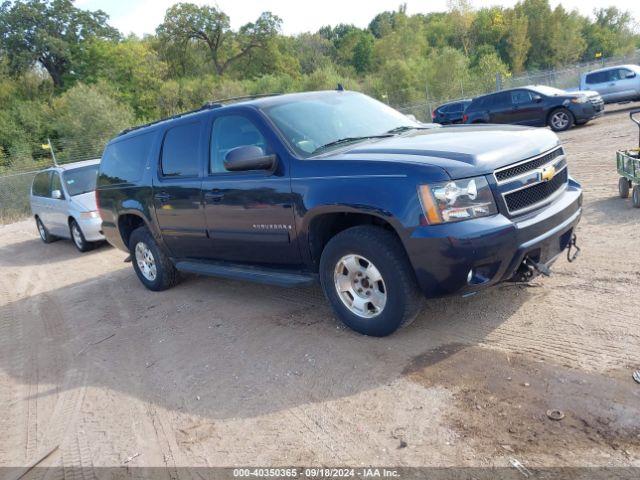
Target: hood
[(85, 202), (461, 150)]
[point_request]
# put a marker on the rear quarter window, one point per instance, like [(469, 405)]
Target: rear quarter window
[(124, 161)]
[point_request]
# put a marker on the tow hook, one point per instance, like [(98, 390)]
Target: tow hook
[(572, 245), (537, 267)]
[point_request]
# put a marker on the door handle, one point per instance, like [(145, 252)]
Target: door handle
[(213, 196), (162, 197)]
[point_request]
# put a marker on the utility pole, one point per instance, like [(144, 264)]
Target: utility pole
[(49, 146)]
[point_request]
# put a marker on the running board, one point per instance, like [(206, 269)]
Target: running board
[(268, 276)]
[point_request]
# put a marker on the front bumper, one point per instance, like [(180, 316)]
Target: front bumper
[(492, 248), (91, 229), (587, 111)]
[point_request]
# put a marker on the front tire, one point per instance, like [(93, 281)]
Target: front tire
[(635, 196), (77, 237), (561, 119), (623, 187), (369, 282), (154, 269)]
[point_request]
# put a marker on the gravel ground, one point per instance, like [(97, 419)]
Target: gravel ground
[(224, 373)]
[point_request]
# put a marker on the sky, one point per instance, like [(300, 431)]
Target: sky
[(143, 16)]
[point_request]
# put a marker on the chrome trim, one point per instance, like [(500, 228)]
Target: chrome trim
[(553, 162), (542, 202), (527, 160), (535, 183)]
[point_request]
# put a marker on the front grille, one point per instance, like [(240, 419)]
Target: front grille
[(537, 193), (524, 167)]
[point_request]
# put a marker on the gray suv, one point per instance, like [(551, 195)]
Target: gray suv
[(63, 204), (614, 84)]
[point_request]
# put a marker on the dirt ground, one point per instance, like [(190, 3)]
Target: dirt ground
[(224, 373)]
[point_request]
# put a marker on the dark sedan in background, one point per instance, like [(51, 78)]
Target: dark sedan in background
[(536, 106), (451, 112)]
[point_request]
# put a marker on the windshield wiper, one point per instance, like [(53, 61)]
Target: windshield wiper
[(405, 128), (341, 141)]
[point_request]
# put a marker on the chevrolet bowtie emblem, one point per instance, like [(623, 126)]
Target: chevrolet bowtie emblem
[(547, 173)]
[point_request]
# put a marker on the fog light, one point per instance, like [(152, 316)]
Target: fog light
[(470, 276)]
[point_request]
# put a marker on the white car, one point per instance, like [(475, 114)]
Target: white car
[(63, 204), (614, 84)]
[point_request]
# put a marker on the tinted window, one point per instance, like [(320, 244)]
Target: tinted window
[(41, 184), (124, 161), (230, 132), (477, 104), (456, 108), (56, 183), (500, 100), (80, 180), (598, 77), (181, 151), (521, 96)]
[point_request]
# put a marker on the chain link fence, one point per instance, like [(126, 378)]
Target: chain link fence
[(16, 176)]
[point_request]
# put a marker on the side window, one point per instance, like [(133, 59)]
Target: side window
[(519, 97), (124, 161), (41, 184), (501, 100), (229, 132), (56, 183), (624, 73), (455, 108), (598, 77), (181, 151)]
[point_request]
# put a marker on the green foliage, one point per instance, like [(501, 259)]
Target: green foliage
[(186, 22), (85, 117), (66, 74), (51, 33)]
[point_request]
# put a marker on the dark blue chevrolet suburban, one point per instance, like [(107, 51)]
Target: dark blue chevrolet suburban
[(337, 187)]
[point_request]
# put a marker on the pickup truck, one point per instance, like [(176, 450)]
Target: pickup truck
[(339, 188)]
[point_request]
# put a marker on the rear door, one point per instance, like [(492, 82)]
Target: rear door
[(602, 82), (177, 189), (250, 213), (500, 108)]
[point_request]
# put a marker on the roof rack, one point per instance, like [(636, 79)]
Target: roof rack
[(207, 106)]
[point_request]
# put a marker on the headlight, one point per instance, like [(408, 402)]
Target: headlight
[(457, 200), (90, 215), (580, 99)]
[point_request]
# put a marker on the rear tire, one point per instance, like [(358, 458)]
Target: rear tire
[(77, 237), (154, 269), (369, 282), (560, 119), (45, 236), (623, 187), (635, 196)]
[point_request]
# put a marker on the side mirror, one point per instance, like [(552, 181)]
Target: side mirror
[(248, 157), (537, 98), (630, 75), (57, 194)]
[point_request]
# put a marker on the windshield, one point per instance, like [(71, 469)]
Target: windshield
[(320, 120), (81, 180), (548, 91)]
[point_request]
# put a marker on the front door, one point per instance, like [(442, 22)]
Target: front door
[(249, 214), (525, 110), (177, 194)]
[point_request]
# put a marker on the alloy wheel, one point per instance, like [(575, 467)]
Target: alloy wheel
[(360, 286)]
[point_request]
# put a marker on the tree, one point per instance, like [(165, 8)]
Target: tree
[(48, 32), (566, 37), (85, 118), (362, 56), (518, 43), (185, 22)]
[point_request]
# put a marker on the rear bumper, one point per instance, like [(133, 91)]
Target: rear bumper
[(492, 248)]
